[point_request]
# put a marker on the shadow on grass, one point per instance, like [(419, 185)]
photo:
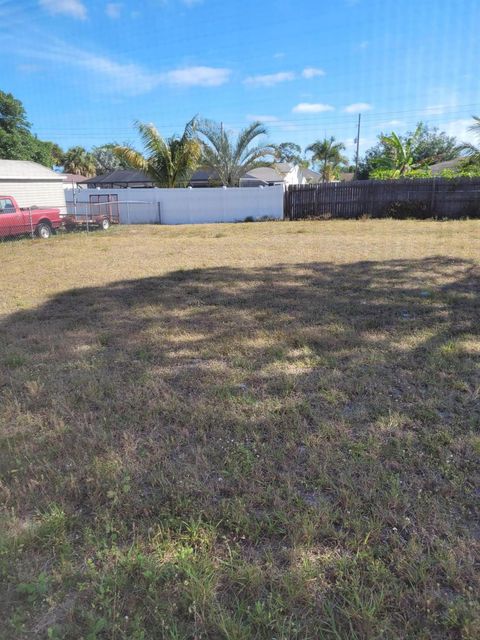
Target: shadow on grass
[(317, 419)]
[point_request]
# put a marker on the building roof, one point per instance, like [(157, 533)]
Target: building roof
[(283, 167), (26, 170), (265, 174), (447, 164), (311, 176), (119, 176), (203, 174), (72, 177)]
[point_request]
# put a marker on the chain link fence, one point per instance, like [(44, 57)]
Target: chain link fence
[(42, 223)]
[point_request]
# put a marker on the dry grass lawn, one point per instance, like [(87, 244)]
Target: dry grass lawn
[(263, 431)]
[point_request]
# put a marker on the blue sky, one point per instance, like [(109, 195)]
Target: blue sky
[(86, 69)]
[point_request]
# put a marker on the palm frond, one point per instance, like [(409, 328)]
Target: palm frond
[(231, 158), (168, 162)]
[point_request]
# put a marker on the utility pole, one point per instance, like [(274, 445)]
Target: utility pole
[(358, 146)]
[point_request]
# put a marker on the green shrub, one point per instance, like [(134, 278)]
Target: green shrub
[(403, 209)]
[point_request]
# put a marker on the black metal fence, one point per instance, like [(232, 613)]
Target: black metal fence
[(429, 198)]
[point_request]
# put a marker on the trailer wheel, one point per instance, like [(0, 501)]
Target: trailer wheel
[(44, 231), (105, 224)]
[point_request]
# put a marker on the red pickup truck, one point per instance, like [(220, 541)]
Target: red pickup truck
[(32, 220)]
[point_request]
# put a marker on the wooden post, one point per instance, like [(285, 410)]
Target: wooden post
[(432, 201)]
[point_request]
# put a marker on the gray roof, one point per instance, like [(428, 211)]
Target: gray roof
[(264, 174), (447, 164), (26, 170), (311, 176), (119, 176), (203, 174)]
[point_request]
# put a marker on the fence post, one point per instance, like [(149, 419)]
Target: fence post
[(432, 201), (128, 212)]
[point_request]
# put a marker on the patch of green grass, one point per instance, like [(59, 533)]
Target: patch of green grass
[(14, 361)]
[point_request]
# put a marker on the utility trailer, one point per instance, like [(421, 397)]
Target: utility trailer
[(92, 215)]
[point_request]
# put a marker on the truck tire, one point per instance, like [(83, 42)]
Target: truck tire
[(44, 231), (105, 224)]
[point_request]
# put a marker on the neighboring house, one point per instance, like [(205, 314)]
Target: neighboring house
[(31, 184), (452, 165), (204, 177), (311, 177), (73, 181), (120, 179), (280, 173)]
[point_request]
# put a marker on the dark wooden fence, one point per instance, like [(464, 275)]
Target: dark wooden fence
[(434, 197)]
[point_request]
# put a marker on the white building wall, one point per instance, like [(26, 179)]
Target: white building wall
[(30, 193), (189, 206), (295, 176)]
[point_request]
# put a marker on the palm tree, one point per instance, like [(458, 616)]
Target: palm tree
[(328, 154), (168, 162), (79, 161), (401, 152), (473, 151), (229, 158)]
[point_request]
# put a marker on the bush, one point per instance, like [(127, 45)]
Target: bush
[(403, 209)]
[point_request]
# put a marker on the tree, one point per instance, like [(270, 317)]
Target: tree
[(13, 118), (433, 145), (168, 162), (16, 140), (328, 154), (473, 151), (289, 152), (106, 160), (399, 153), (57, 154), (79, 161), (232, 158), (430, 146)]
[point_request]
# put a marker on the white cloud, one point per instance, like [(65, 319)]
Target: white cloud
[(192, 3), (396, 123), (265, 118), (129, 78), (197, 76), (113, 10), (278, 55), (312, 72), (126, 78), (358, 107), (269, 80), (363, 44), (312, 107), (74, 8)]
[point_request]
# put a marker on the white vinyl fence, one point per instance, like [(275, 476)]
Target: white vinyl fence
[(186, 206)]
